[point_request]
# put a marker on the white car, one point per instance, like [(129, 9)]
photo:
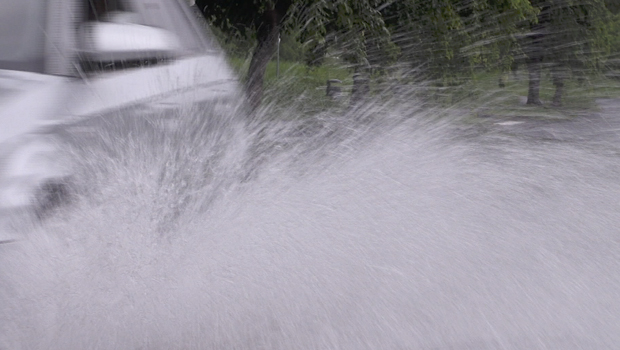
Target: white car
[(62, 61)]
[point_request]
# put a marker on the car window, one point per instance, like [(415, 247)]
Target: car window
[(102, 10), (22, 38), (113, 11), (172, 16)]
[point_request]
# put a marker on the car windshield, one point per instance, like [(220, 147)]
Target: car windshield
[(22, 38)]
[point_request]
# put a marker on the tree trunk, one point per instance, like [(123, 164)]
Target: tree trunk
[(514, 67), (558, 76), (361, 88), (267, 37), (534, 50), (534, 68), (557, 97)]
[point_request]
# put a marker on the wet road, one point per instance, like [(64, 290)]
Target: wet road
[(417, 238)]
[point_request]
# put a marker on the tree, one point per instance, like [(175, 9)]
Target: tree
[(263, 18), (356, 24), (447, 39), (569, 36), (613, 6), (355, 27)]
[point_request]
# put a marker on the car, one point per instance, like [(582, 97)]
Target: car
[(64, 61)]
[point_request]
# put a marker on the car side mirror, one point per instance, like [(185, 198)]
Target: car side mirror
[(115, 42)]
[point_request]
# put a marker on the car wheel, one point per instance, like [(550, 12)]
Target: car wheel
[(50, 196)]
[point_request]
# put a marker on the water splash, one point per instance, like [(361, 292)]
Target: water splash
[(385, 227)]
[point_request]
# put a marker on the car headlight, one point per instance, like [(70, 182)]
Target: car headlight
[(27, 167)]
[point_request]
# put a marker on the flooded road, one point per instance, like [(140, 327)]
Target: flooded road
[(385, 228)]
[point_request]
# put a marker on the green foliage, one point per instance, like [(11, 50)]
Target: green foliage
[(234, 17), (613, 28), (234, 45), (444, 41), (290, 49), (613, 6), (354, 27), (448, 39), (576, 34), (306, 86)]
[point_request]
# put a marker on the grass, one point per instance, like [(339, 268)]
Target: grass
[(481, 94), (297, 82), (579, 96)]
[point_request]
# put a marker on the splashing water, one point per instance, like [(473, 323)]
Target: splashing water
[(382, 228)]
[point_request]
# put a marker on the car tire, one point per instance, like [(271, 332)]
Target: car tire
[(50, 196)]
